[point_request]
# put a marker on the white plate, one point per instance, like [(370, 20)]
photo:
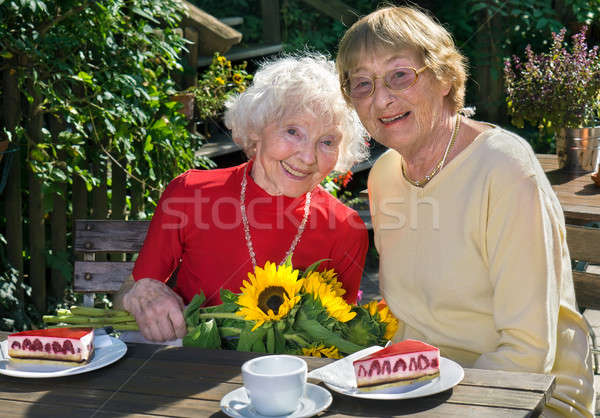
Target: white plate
[(451, 374), (316, 399), (103, 356)]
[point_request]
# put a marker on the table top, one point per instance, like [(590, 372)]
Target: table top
[(579, 196), (157, 380)]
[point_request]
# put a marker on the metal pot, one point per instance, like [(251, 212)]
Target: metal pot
[(578, 149)]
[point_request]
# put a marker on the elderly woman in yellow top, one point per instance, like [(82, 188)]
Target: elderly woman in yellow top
[(471, 237)]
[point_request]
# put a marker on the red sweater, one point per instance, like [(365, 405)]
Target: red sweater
[(197, 227)]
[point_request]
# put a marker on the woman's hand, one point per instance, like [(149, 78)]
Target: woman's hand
[(158, 310)]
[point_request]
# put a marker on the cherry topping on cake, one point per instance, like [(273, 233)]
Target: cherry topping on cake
[(37, 345), (68, 346)]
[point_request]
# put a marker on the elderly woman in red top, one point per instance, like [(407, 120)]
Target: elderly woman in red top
[(213, 227)]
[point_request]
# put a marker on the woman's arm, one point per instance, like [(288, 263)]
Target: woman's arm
[(158, 310), (524, 250)]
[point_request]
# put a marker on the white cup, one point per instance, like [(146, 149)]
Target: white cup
[(275, 384)]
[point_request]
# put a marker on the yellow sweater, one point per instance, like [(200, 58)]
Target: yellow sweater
[(476, 263)]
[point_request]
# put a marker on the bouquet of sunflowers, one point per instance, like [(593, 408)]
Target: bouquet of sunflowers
[(283, 310)]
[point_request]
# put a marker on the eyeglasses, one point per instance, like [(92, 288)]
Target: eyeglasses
[(398, 79)]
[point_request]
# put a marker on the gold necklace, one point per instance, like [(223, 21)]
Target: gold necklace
[(438, 167), (247, 227)]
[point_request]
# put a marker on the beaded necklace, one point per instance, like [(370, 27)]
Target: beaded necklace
[(247, 227)]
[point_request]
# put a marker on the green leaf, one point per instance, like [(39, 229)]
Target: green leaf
[(228, 296), (205, 335), (141, 12), (313, 267), (191, 312), (148, 145), (248, 338), (321, 334), (85, 77)]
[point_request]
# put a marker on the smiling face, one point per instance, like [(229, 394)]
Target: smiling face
[(404, 120), (294, 154)]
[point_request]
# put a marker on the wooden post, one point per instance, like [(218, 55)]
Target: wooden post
[(487, 70), (58, 219), (117, 203), (37, 233), (271, 26), (190, 60), (137, 199), (100, 198), (12, 193)]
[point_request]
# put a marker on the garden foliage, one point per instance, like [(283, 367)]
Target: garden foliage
[(555, 89), (94, 80)]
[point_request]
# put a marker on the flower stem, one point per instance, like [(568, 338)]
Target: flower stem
[(297, 339), (229, 331), (219, 315)]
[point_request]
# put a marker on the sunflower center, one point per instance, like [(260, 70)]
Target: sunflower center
[(271, 298)]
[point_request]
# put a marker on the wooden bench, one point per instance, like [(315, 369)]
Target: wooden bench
[(584, 247), (120, 239)]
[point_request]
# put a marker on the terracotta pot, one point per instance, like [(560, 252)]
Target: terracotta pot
[(187, 100)]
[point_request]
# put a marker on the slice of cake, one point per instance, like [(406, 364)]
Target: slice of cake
[(403, 363), (62, 344)]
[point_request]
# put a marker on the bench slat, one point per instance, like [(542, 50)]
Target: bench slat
[(109, 236), (587, 289), (584, 243), (102, 276)]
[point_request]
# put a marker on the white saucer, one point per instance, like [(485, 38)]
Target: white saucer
[(316, 399)]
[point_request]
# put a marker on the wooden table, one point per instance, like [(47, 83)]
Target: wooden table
[(155, 380), (578, 194)]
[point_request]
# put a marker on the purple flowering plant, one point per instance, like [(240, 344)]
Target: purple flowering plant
[(555, 89)]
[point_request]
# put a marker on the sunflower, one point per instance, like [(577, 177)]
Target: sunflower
[(320, 290), (270, 295), (382, 313), (330, 277), (322, 351)]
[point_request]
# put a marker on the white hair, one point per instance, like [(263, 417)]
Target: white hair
[(302, 83)]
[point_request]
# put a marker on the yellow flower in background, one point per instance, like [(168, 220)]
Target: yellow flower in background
[(270, 295), (220, 80), (322, 351), (237, 78), (330, 277), (382, 312), (320, 290), (222, 60)]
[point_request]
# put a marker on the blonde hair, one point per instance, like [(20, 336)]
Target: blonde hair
[(296, 83), (398, 28)]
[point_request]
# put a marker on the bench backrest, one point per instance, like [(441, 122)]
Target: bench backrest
[(584, 246), (94, 237)]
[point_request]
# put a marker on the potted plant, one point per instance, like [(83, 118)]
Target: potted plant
[(215, 85), (559, 91)]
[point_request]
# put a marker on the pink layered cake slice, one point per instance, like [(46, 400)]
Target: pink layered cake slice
[(62, 344), (403, 363)]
